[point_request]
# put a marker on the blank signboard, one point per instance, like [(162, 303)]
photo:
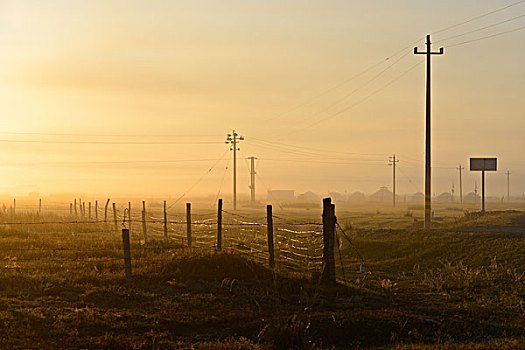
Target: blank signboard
[(483, 164)]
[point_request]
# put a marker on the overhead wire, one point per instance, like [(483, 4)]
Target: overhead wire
[(198, 180), (477, 17), (487, 37), (359, 88), (480, 29), (361, 100), (111, 142)]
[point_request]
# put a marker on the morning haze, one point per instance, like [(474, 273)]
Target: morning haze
[(192, 71), (248, 174)]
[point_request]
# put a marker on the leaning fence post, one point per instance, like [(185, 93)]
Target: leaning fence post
[(165, 221), (144, 230), (219, 225), (269, 220), (115, 217), (129, 215), (188, 223), (328, 273), (106, 211), (127, 253)]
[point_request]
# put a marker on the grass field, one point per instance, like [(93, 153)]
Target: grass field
[(460, 286)]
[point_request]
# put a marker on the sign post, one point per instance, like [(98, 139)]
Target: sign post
[(483, 164)]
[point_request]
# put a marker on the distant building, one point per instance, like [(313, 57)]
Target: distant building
[(357, 197), (472, 197), (417, 197), (281, 195), (383, 194), (445, 197), (336, 196), (308, 197)]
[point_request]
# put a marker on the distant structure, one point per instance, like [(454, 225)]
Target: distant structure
[(382, 194), (417, 197), (281, 195), (308, 197), (472, 197), (445, 197), (336, 196), (357, 197)]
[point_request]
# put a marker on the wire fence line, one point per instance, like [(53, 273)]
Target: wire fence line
[(298, 246)]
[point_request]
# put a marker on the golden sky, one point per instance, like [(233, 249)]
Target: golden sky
[(136, 97)]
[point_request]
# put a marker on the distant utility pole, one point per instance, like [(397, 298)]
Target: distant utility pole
[(508, 185), (233, 139), (392, 162), (460, 184), (428, 176), (252, 179)]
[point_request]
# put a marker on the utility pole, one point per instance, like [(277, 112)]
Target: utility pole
[(428, 176), (233, 139), (460, 184), (252, 179), (392, 162), (508, 185)]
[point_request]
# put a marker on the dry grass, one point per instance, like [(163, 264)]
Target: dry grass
[(63, 286)]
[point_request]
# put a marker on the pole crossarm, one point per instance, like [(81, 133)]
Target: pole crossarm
[(233, 139)]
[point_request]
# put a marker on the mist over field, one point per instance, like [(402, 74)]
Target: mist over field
[(262, 175)]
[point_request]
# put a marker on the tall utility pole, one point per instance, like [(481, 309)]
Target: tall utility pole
[(233, 139), (252, 179), (508, 185), (460, 184), (392, 162), (428, 176)]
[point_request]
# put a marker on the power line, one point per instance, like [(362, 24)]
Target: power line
[(364, 71), (478, 17), (362, 100), (112, 162), (198, 181), (360, 87), (111, 142), (487, 37), (480, 29), (317, 149), (107, 135)]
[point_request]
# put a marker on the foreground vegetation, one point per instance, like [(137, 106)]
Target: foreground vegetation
[(459, 286)]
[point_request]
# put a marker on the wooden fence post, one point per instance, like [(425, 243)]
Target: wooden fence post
[(269, 220), (70, 209), (96, 210), (129, 215), (328, 273), (219, 225), (165, 221), (106, 211), (115, 216), (188, 223), (14, 206), (39, 206), (144, 230), (127, 253), (76, 213), (89, 212)]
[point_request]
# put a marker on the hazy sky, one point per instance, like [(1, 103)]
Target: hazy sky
[(167, 80)]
